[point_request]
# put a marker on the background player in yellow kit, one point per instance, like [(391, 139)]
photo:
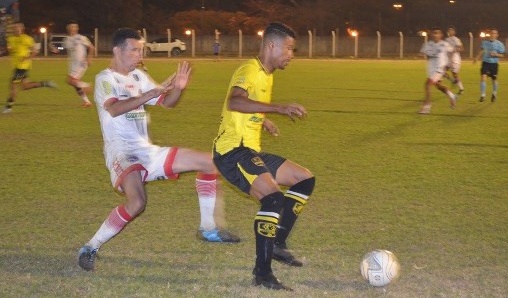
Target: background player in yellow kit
[(21, 48)]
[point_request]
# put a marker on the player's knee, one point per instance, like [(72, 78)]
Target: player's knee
[(301, 175), (136, 205), (273, 202), (263, 186)]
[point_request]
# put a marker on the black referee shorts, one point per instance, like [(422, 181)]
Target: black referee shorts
[(242, 165), (490, 69), (19, 74)]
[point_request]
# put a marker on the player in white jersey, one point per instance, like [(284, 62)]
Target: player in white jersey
[(79, 49), (121, 92), (437, 52), (455, 59)]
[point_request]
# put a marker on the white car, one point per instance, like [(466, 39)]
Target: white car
[(175, 47)]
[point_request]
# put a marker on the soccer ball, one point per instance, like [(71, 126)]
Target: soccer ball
[(380, 267)]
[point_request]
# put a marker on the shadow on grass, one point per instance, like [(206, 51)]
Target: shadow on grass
[(335, 285), (462, 145), (409, 113)]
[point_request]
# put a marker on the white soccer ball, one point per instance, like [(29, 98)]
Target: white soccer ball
[(380, 267)]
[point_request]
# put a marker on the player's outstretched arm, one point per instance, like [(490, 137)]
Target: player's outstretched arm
[(120, 107), (175, 84), (239, 101)]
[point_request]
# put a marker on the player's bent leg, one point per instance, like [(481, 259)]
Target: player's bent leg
[(118, 218), (265, 230), (193, 160), (452, 97), (206, 188), (301, 182)]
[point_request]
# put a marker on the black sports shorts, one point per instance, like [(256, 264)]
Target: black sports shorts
[(19, 74), (242, 165), (490, 69)]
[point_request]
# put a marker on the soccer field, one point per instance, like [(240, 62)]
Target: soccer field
[(430, 188)]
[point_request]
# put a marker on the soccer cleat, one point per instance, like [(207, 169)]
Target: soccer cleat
[(283, 255), (425, 109), (86, 104), (482, 98), (86, 257), (461, 91), (493, 98), (82, 85), (453, 101), (49, 84), (217, 235), (7, 110), (269, 281)]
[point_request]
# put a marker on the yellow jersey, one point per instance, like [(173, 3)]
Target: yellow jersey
[(244, 129), (20, 49)]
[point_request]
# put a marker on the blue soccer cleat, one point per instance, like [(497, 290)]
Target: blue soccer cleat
[(217, 235), (86, 257)]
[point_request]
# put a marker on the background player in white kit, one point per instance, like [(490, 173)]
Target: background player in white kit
[(455, 58), (121, 92), (437, 52), (80, 51)]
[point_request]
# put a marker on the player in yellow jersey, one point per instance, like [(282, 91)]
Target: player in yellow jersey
[(238, 156), (21, 49)]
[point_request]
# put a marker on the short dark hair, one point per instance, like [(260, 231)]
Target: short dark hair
[(122, 34), (69, 22), (279, 30), (435, 29)]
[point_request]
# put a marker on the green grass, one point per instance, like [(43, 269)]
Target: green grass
[(432, 188)]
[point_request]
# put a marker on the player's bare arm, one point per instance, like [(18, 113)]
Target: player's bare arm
[(120, 107), (478, 56), (496, 54), (239, 101), (90, 52), (176, 83)]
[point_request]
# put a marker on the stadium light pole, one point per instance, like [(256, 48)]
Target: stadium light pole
[(354, 34), (44, 33), (192, 35)]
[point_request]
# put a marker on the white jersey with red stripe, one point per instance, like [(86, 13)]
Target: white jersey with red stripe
[(127, 133)]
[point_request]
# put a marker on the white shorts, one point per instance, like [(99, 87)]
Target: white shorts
[(436, 76), (455, 63), (454, 67), (77, 69), (154, 163)]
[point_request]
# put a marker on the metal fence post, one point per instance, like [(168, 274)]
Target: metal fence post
[(240, 43), (378, 44), (169, 40), (96, 41), (333, 44), (471, 41), (310, 43), (401, 46)]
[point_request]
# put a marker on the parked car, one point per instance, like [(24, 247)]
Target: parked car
[(175, 47), (56, 44)]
